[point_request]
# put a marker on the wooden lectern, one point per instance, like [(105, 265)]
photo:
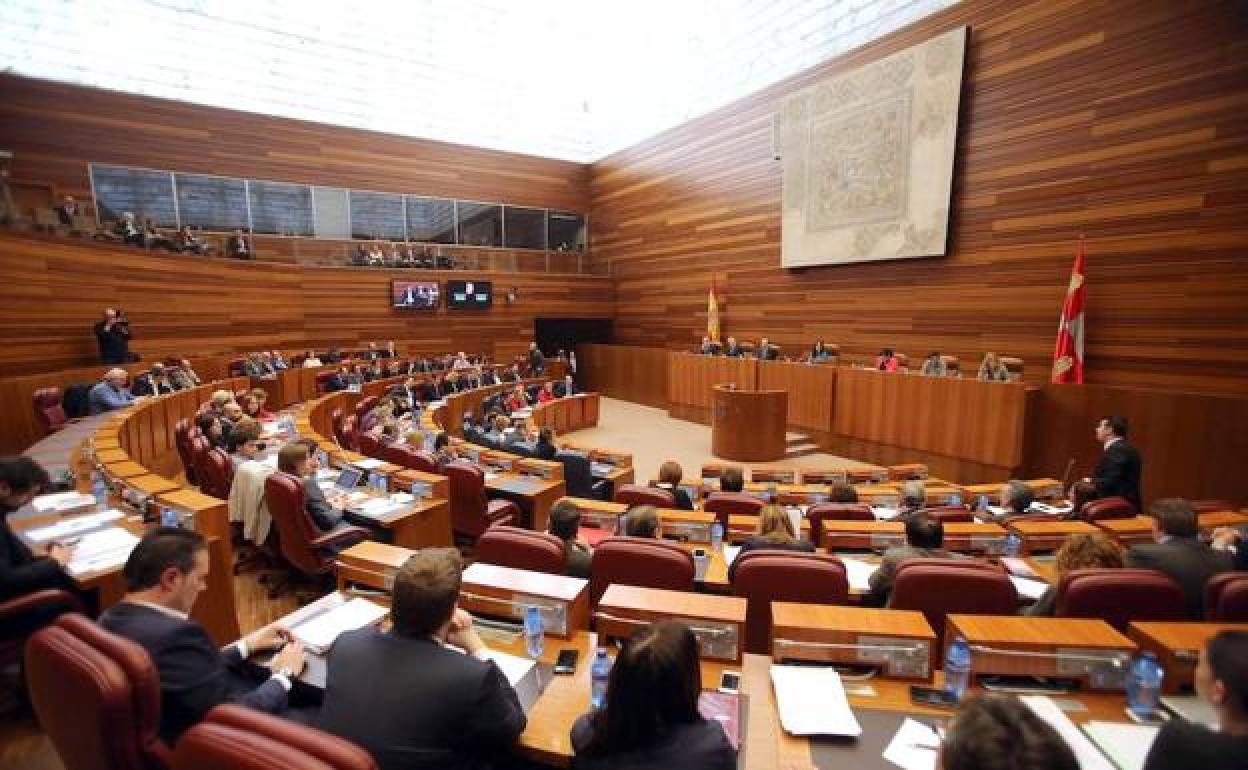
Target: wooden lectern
[(748, 425)]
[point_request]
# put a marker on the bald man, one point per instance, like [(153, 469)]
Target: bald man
[(110, 393)]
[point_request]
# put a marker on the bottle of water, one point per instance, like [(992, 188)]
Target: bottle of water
[(534, 632), (955, 499), (599, 673), (957, 667), (717, 535), (383, 484), (1144, 685), (99, 489), (1013, 543), (982, 504), (169, 517)]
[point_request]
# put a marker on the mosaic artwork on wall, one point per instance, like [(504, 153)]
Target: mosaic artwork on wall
[(868, 158)]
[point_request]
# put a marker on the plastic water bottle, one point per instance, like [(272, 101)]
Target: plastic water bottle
[(955, 499), (169, 517), (534, 632), (982, 504), (1144, 685), (99, 489), (957, 667), (383, 484), (599, 673), (717, 535), (1013, 543)]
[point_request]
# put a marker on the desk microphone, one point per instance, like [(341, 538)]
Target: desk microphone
[(708, 636), (902, 659), (557, 610), (1104, 672)]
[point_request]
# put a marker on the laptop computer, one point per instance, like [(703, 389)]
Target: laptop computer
[(349, 478)]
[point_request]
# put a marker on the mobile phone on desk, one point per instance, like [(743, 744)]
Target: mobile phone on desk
[(566, 662), (730, 682), (931, 696)]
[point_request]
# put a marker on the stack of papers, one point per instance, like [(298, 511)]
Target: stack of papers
[(914, 747), (1126, 744), (1019, 567), (1055, 510), (62, 502), (72, 527), (859, 573), (885, 514), (730, 553), (811, 701), (103, 549), (368, 463), (379, 507), (1089, 757), (1028, 588), (319, 631)]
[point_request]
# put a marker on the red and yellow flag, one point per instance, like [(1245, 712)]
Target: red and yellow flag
[(1068, 353), (712, 314)]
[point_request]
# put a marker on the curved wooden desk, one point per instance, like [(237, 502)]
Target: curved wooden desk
[(748, 425)]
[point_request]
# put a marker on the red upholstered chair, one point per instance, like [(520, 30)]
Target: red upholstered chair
[(1226, 597), (817, 514), (640, 561), (1211, 506), (1108, 508), (182, 442), (725, 504), (216, 474), (1119, 596), (782, 576), (97, 696), (48, 411), (335, 421), (940, 587), (322, 381), (350, 438), (365, 405), (302, 545), (510, 546), (14, 628), (235, 367), (409, 457), (370, 445), (471, 512), (947, 514), (635, 494), (236, 738)]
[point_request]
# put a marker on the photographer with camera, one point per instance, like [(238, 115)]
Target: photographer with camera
[(113, 336)]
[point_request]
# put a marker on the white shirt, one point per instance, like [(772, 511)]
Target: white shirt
[(1111, 440)]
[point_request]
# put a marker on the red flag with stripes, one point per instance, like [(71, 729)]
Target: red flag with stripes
[(1068, 354)]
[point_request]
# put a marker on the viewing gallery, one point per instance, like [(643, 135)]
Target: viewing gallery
[(778, 386)]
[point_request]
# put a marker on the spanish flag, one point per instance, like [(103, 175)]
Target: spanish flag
[(712, 314), (1068, 353)]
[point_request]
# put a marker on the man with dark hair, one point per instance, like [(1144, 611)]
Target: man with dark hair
[(164, 575), (565, 522), (1117, 473), (998, 732), (21, 571), (643, 521), (925, 537), (1179, 553), (537, 361), (409, 697), (731, 479)]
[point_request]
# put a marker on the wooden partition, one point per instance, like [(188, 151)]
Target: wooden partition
[(811, 389), (690, 378), (567, 414), (630, 373)]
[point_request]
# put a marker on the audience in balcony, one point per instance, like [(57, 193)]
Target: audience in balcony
[(925, 539), (237, 247), (185, 242), (311, 361), (110, 393), (67, 210), (126, 230), (189, 374), (565, 523), (155, 382), (1078, 552), (773, 532)]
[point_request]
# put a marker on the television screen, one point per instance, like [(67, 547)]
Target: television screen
[(469, 294), (414, 295)]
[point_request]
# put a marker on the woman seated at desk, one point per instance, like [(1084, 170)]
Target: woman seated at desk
[(670, 474), (887, 361), (774, 532)]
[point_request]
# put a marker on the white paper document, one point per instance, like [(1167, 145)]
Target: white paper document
[(319, 632), (859, 573), (1028, 588), (101, 549), (1124, 743), (379, 506), (1053, 510), (1018, 567), (62, 501), (368, 463), (914, 747), (730, 553), (1086, 752), (812, 701), (72, 527)]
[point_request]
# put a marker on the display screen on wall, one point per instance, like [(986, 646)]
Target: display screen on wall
[(414, 295), (466, 295)]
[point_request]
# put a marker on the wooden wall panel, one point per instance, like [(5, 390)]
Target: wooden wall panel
[(55, 129), (812, 391), (1122, 119), (633, 374)]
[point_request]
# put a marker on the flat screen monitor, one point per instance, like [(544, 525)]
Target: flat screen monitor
[(469, 294), (414, 295)]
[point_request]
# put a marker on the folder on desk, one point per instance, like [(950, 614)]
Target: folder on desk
[(320, 628)]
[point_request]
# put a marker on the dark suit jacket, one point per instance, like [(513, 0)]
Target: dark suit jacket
[(413, 703), (325, 515), (734, 352), (700, 745), (757, 543), (578, 559), (1189, 562), (20, 571), (194, 674), (882, 579), (1181, 745), (1118, 473)]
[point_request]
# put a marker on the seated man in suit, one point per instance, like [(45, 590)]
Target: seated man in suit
[(409, 697), (110, 393), (565, 523), (1016, 499), (731, 479), (913, 500), (766, 351), (537, 361), (1179, 553), (934, 366), (156, 383), (708, 347), (643, 521), (66, 212), (732, 349), (237, 247), (925, 537), (164, 575), (1117, 473)]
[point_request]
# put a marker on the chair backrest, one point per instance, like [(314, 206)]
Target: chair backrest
[(48, 410), (939, 587), (322, 380), (521, 548), (1119, 596), (949, 513), (335, 422), (96, 695), (182, 442), (639, 561), (365, 405), (1108, 508), (468, 499), (295, 530), (725, 504), (1226, 597), (817, 514), (233, 737), (783, 576), (635, 494), (409, 457), (216, 473), (350, 438), (370, 445), (1210, 506), (578, 473)]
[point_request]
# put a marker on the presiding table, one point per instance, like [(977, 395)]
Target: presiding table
[(748, 425)]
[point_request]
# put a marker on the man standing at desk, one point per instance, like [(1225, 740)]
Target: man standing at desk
[(537, 362), (1117, 473), (113, 337)]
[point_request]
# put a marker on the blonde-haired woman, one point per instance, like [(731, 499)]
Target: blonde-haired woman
[(774, 532), (992, 369), (1078, 552)]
